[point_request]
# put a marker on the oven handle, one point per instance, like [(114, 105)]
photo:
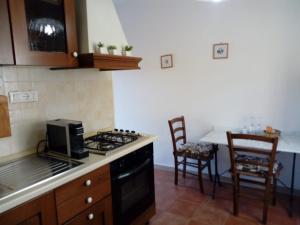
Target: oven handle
[(133, 171)]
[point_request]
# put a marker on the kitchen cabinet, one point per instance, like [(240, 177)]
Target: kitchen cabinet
[(82, 193), (39, 211), (85, 200), (6, 49), (44, 32), (99, 214)]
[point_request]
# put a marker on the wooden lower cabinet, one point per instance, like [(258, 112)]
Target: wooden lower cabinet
[(98, 214), (83, 201), (39, 211)]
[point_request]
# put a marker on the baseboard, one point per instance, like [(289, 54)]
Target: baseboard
[(280, 189)]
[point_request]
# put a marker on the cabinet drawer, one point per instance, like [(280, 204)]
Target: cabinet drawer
[(98, 214), (71, 207), (82, 184)]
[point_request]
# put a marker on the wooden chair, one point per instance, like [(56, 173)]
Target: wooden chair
[(252, 162), (197, 155)]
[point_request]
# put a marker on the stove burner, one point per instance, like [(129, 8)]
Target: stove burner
[(104, 142)]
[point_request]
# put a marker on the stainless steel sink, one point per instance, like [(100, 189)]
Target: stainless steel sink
[(24, 172)]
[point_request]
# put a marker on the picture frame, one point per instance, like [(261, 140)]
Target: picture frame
[(166, 61), (220, 51)]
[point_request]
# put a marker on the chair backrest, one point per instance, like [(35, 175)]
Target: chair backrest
[(238, 149), (177, 129)]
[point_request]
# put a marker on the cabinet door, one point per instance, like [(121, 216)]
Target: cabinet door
[(44, 32), (6, 50), (40, 211), (98, 214)]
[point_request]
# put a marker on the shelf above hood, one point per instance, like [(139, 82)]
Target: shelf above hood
[(108, 62)]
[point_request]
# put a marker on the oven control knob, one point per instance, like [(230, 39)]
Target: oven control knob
[(121, 130), (116, 130), (88, 183), (133, 132), (89, 200), (127, 131), (91, 216)]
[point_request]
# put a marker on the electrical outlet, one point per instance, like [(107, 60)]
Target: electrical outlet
[(23, 96)]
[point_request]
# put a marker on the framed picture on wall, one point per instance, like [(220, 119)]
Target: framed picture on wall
[(220, 51), (166, 61)]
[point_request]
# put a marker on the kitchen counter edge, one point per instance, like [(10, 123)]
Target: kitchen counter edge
[(89, 164)]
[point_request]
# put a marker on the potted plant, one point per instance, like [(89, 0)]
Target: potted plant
[(127, 50), (112, 49), (101, 48)]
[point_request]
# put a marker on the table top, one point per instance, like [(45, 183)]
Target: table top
[(288, 142)]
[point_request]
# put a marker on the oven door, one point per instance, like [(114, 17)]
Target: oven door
[(133, 191)]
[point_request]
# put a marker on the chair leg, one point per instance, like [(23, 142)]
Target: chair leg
[(176, 170), (238, 184), (274, 190), (266, 201), (200, 176), (209, 171), (235, 195), (184, 167)]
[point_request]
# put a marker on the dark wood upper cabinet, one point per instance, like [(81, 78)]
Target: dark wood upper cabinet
[(6, 49), (44, 32)]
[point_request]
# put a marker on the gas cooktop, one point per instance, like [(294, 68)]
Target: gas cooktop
[(104, 143)]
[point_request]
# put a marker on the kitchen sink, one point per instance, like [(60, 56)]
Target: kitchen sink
[(21, 173)]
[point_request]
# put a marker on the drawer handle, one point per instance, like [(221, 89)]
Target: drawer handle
[(75, 54), (89, 200), (88, 183), (91, 216)]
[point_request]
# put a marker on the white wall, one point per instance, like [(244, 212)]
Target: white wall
[(261, 78)]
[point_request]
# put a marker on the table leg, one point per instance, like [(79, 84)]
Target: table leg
[(217, 176), (292, 186)]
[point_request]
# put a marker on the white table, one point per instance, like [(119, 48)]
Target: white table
[(288, 142)]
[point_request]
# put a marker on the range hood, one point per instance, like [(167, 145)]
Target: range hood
[(97, 21)]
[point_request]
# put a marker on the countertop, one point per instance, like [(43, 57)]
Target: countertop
[(89, 164)]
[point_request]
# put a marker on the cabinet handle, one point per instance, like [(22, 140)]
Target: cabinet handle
[(88, 183), (75, 54), (91, 216), (89, 200)]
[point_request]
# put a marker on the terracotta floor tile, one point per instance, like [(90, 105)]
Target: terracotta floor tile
[(205, 215), (169, 219), (278, 216), (219, 203), (183, 208), (193, 196), (233, 220), (185, 205)]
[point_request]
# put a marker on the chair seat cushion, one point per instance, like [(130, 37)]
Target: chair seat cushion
[(245, 164), (203, 151)]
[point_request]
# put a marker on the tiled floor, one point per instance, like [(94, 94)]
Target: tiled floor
[(185, 205)]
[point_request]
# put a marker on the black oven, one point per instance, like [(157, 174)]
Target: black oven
[(132, 178)]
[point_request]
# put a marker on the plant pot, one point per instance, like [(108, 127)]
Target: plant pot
[(102, 50), (126, 53), (112, 51)]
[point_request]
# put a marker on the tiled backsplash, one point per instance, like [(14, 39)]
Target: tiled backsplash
[(84, 94)]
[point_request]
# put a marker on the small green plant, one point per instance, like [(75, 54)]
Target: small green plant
[(100, 45), (128, 48), (111, 47)]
